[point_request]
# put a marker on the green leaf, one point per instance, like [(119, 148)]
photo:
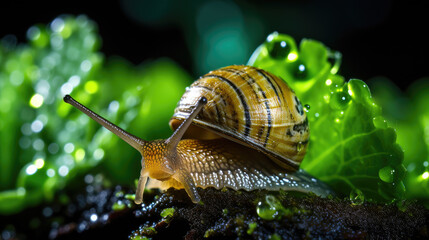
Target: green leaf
[(351, 148)]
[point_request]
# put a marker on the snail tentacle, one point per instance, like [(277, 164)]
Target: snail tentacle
[(132, 140)]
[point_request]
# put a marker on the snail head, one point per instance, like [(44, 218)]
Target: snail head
[(159, 157)]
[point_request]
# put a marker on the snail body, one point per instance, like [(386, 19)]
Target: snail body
[(242, 128)]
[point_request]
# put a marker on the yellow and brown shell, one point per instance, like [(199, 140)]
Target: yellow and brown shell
[(249, 106)]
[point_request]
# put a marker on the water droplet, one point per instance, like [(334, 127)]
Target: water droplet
[(339, 100), (335, 84), (358, 90), (270, 208), (306, 107), (379, 122), (278, 49), (300, 72), (265, 211), (387, 174), (357, 197), (281, 46)]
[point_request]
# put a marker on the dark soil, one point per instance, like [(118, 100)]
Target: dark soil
[(99, 213)]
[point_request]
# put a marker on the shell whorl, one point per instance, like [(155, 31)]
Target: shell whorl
[(249, 106)]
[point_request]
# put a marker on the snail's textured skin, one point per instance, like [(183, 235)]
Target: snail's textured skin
[(221, 163), (253, 107)]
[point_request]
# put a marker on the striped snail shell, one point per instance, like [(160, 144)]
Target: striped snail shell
[(238, 127), (249, 106)]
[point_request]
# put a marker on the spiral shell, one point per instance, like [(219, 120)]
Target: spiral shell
[(249, 106)]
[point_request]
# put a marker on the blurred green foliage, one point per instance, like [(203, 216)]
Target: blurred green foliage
[(351, 147), (408, 112), (44, 142)]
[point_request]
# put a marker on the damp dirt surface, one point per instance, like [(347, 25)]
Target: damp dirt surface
[(99, 212)]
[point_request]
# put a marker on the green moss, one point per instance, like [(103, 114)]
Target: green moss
[(167, 213), (252, 227)]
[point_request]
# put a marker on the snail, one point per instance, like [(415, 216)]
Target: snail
[(238, 127)]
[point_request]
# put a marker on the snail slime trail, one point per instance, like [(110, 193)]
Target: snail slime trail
[(243, 129)]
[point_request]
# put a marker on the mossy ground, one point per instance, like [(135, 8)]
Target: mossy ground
[(224, 214)]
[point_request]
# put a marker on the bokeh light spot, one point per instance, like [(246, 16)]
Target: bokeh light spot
[(69, 147), (425, 175), (91, 87), (50, 172), (39, 163), (98, 154), (37, 126), (63, 171), (36, 101), (31, 169), (79, 155)]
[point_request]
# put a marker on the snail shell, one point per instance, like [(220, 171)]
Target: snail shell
[(243, 128), (249, 106)]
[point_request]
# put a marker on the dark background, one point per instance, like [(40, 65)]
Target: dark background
[(376, 38)]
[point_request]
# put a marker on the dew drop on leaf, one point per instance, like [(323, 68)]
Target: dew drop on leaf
[(357, 197), (306, 107), (278, 49), (379, 122), (358, 90), (279, 46), (387, 174), (339, 100), (300, 72)]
